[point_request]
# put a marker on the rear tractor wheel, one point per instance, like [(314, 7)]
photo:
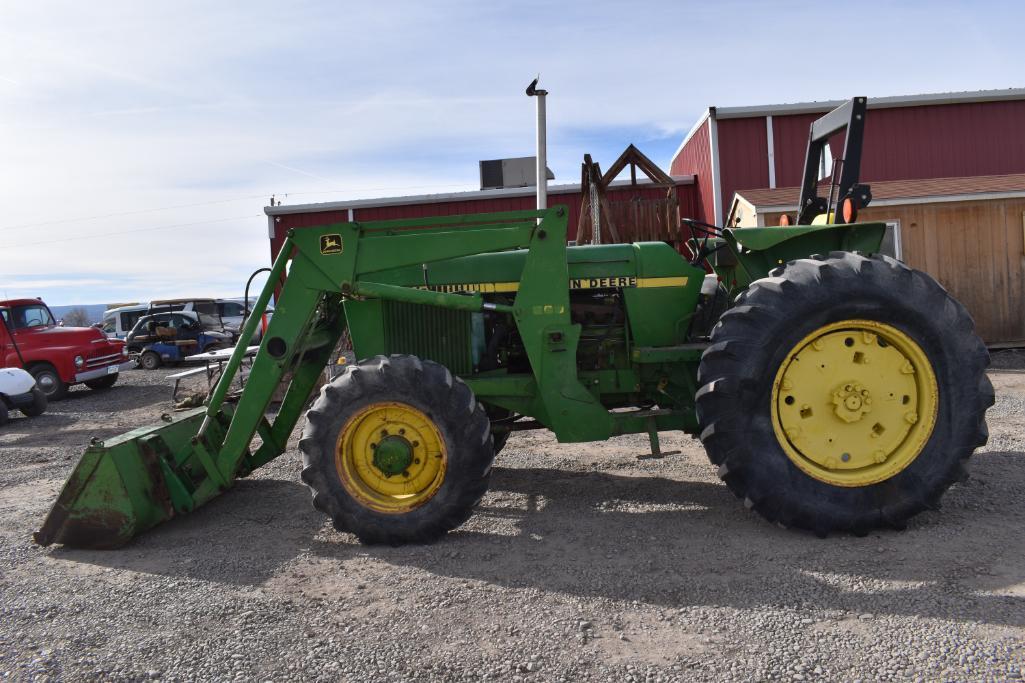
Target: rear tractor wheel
[(843, 393), (397, 450)]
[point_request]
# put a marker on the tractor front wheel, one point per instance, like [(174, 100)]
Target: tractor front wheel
[(843, 393), (397, 450)]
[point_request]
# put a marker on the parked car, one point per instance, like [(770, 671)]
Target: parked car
[(233, 316), (171, 337), (119, 321), (18, 391), (57, 357)]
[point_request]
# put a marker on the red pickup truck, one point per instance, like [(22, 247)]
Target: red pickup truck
[(57, 356)]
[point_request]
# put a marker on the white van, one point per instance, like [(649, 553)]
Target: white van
[(118, 322)]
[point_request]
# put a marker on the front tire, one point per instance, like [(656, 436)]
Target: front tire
[(843, 393), (38, 405), (49, 382), (149, 360), (397, 450)]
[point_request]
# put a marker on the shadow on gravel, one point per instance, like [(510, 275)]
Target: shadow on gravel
[(132, 395), (654, 540)]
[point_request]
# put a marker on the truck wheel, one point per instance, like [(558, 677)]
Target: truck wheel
[(843, 393), (105, 382), (149, 360), (397, 450), (49, 381), (4, 415), (38, 405)]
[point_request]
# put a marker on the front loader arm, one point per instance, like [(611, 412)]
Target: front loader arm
[(133, 482)]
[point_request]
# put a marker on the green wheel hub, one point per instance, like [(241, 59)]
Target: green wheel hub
[(393, 455)]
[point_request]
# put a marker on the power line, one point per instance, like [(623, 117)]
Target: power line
[(128, 232), (83, 219), (128, 213)]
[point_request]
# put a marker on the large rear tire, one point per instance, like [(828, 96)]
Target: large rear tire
[(843, 393), (397, 450)]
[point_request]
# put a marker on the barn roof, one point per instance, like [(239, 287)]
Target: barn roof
[(473, 195), (893, 192)]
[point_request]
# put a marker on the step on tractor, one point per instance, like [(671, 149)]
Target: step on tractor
[(834, 389)]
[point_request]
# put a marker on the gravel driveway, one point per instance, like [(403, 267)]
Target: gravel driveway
[(583, 563)]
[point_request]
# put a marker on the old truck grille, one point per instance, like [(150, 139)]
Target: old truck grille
[(100, 361), (437, 334)]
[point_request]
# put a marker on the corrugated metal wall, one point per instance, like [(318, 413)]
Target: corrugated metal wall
[(939, 141), (743, 157), (696, 159), (935, 141)]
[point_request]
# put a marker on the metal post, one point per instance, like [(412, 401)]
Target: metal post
[(542, 153)]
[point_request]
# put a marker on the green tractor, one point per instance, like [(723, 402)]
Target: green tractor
[(835, 390)]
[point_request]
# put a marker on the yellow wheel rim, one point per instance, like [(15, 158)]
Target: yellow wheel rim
[(854, 402), (391, 457)]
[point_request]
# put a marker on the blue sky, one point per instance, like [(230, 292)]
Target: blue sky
[(140, 141)]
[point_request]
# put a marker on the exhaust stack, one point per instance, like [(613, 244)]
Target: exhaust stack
[(542, 144)]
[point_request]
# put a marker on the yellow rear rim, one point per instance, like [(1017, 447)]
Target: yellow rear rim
[(391, 457), (854, 402)]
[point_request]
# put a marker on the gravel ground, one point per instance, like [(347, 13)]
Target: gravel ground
[(583, 563)]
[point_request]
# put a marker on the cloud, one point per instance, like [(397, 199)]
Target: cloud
[(141, 140)]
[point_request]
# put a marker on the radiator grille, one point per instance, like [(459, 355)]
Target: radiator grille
[(437, 334)]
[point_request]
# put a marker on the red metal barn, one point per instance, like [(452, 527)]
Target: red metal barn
[(908, 137), (947, 173)]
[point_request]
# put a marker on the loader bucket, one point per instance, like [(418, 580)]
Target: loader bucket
[(131, 483)]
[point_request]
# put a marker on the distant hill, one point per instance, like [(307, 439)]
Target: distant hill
[(94, 312)]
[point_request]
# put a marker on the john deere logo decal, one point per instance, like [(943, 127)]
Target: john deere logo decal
[(331, 244)]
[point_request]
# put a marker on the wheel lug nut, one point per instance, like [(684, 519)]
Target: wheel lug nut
[(415, 444), (373, 446), (416, 461), (402, 431), (406, 474)]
